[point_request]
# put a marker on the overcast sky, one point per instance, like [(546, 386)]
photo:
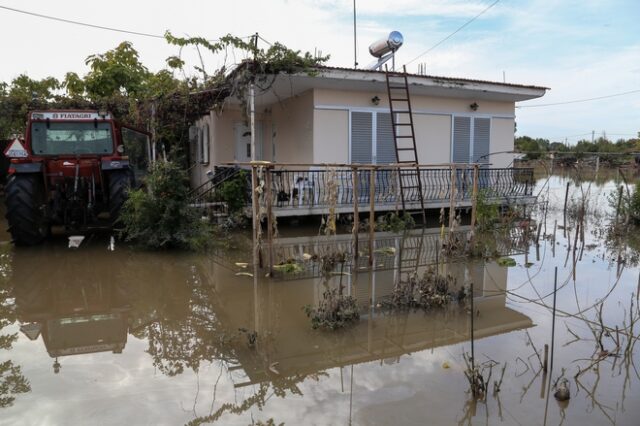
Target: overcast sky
[(579, 48)]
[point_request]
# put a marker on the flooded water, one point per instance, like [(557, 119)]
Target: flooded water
[(129, 337)]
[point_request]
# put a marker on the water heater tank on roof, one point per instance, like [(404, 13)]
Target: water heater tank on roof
[(391, 43)]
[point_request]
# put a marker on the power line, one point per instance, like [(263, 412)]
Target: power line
[(84, 24), (580, 100), (455, 32)]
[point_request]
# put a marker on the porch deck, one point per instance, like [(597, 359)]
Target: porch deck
[(311, 192), (306, 190)]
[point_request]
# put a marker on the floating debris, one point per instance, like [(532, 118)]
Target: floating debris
[(389, 251), (562, 392), (244, 274), (75, 241), (288, 268), (306, 256), (112, 244), (241, 264), (506, 261), (273, 368)]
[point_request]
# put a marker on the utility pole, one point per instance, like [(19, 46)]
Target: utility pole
[(355, 44), (593, 135)]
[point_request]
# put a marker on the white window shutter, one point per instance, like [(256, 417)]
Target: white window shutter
[(361, 137), (385, 148), (481, 139), (461, 139)]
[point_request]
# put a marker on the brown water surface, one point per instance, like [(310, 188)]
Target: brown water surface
[(131, 337)]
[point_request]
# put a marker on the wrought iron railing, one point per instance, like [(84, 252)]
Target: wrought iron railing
[(314, 187), (206, 192)]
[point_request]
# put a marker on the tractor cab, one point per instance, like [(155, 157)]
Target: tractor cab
[(73, 168)]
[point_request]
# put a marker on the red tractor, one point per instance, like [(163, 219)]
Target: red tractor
[(73, 168)]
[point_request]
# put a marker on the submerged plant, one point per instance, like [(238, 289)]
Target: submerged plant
[(487, 213), (334, 311), (395, 223), (432, 290), (288, 268)]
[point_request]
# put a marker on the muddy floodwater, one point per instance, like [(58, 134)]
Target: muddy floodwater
[(111, 337)]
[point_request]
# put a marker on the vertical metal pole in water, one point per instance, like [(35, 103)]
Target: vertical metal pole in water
[(356, 213), (474, 200), (452, 212), (372, 214), (564, 214), (269, 203), (254, 177), (473, 314), (553, 330), (553, 240), (553, 322), (254, 209)]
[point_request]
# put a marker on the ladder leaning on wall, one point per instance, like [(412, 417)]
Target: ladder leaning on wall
[(404, 138)]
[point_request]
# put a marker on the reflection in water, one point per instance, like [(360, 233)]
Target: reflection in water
[(171, 338), (12, 381), (193, 310)]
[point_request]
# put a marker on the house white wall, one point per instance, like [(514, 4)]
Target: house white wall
[(314, 127), (330, 136), (432, 123), (293, 125)]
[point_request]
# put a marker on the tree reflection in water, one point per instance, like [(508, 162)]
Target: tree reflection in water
[(12, 381)]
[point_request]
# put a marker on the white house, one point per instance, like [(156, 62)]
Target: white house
[(342, 116)]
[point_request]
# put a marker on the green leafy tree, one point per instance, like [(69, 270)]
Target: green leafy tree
[(116, 72)]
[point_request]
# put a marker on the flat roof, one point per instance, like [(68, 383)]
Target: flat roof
[(285, 85)]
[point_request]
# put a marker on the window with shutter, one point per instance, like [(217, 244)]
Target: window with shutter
[(481, 139), (461, 138), (361, 137), (385, 148), (471, 140)]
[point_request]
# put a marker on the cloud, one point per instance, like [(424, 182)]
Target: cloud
[(384, 8)]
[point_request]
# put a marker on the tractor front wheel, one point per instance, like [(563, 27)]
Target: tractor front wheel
[(25, 198), (119, 183)]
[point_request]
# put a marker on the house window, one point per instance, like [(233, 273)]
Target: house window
[(471, 139), (372, 138)]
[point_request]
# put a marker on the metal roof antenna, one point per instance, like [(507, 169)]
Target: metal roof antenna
[(385, 49)]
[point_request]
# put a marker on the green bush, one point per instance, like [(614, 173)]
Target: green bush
[(487, 213), (395, 223), (634, 203), (159, 216), (234, 192), (628, 205)]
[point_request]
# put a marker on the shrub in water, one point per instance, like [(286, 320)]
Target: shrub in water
[(159, 216), (334, 311)]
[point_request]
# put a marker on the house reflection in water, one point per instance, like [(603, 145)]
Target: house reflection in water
[(287, 347), (190, 308)]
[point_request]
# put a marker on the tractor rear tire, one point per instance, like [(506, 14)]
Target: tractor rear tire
[(25, 199), (119, 184)]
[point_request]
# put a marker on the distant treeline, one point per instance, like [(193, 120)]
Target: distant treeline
[(618, 152)]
